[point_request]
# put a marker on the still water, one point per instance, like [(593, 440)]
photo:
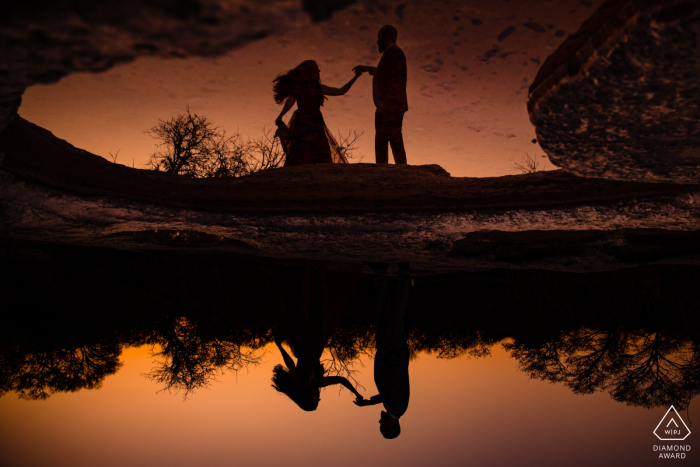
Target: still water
[(127, 367)]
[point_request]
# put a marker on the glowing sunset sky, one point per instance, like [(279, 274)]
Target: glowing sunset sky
[(478, 411), (467, 89)]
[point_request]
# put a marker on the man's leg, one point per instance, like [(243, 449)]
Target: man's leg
[(395, 334), (381, 311), (391, 316), (381, 140), (396, 138), (398, 150), (381, 150)]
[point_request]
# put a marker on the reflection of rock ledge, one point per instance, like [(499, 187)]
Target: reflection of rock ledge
[(54, 193), (618, 99), (556, 249)]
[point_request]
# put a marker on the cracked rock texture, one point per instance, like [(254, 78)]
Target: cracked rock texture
[(619, 99)]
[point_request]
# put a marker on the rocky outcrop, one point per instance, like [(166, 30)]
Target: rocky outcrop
[(556, 249), (42, 40), (619, 99), (52, 192), (36, 154)]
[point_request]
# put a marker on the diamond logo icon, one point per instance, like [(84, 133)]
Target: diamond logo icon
[(672, 427)]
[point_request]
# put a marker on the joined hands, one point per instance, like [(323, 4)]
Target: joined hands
[(360, 401)]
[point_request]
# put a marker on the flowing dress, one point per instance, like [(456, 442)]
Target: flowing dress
[(318, 294), (307, 139)]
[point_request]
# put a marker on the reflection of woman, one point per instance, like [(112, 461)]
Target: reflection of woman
[(318, 294), (306, 139)]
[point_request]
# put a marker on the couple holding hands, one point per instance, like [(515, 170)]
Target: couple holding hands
[(318, 294), (306, 139)]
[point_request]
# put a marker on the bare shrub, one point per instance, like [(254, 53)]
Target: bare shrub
[(529, 164), (190, 145), (187, 146), (266, 152), (114, 156), (346, 145)]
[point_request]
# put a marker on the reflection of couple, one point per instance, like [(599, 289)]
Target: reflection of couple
[(318, 294), (306, 140)]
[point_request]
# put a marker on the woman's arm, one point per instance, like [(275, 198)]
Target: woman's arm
[(288, 104), (287, 359), (329, 91), (374, 400), (329, 380)]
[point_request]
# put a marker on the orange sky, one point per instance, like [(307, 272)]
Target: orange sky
[(462, 412), (466, 114)]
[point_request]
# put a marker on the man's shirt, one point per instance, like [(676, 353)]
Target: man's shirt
[(391, 378), (389, 82)]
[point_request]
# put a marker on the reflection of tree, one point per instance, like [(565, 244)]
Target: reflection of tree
[(639, 368), (452, 345), (658, 373), (38, 374), (189, 358)]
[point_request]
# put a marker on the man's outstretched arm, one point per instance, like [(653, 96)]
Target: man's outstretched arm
[(374, 400), (372, 70)]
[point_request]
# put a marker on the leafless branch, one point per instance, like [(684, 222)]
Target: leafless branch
[(529, 164)]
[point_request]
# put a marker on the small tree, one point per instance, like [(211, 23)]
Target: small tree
[(191, 145)]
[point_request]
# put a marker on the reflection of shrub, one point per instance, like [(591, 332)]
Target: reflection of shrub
[(37, 375), (639, 368), (189, 357)]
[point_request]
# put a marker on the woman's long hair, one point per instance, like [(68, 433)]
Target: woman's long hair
[(296, 390), (297, 81)]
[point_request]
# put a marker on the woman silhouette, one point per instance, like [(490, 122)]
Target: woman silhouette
[(306, 139), (318, 294)]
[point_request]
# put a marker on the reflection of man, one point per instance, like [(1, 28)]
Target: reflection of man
[(389, 93), (391, 360)]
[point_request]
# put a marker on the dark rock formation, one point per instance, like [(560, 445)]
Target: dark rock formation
[(53, 192), (619, 99), (42, 40), (34, 153), (617, 248)]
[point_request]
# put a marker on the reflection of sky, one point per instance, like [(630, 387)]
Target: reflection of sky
[(467, 113), (462, 412)]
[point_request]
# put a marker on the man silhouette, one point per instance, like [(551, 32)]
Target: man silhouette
[(389, 94), (391, 360)]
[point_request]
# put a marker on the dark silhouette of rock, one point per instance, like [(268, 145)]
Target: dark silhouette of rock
[(614, 247), (54, 192), (40, 42), (631, 73)]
